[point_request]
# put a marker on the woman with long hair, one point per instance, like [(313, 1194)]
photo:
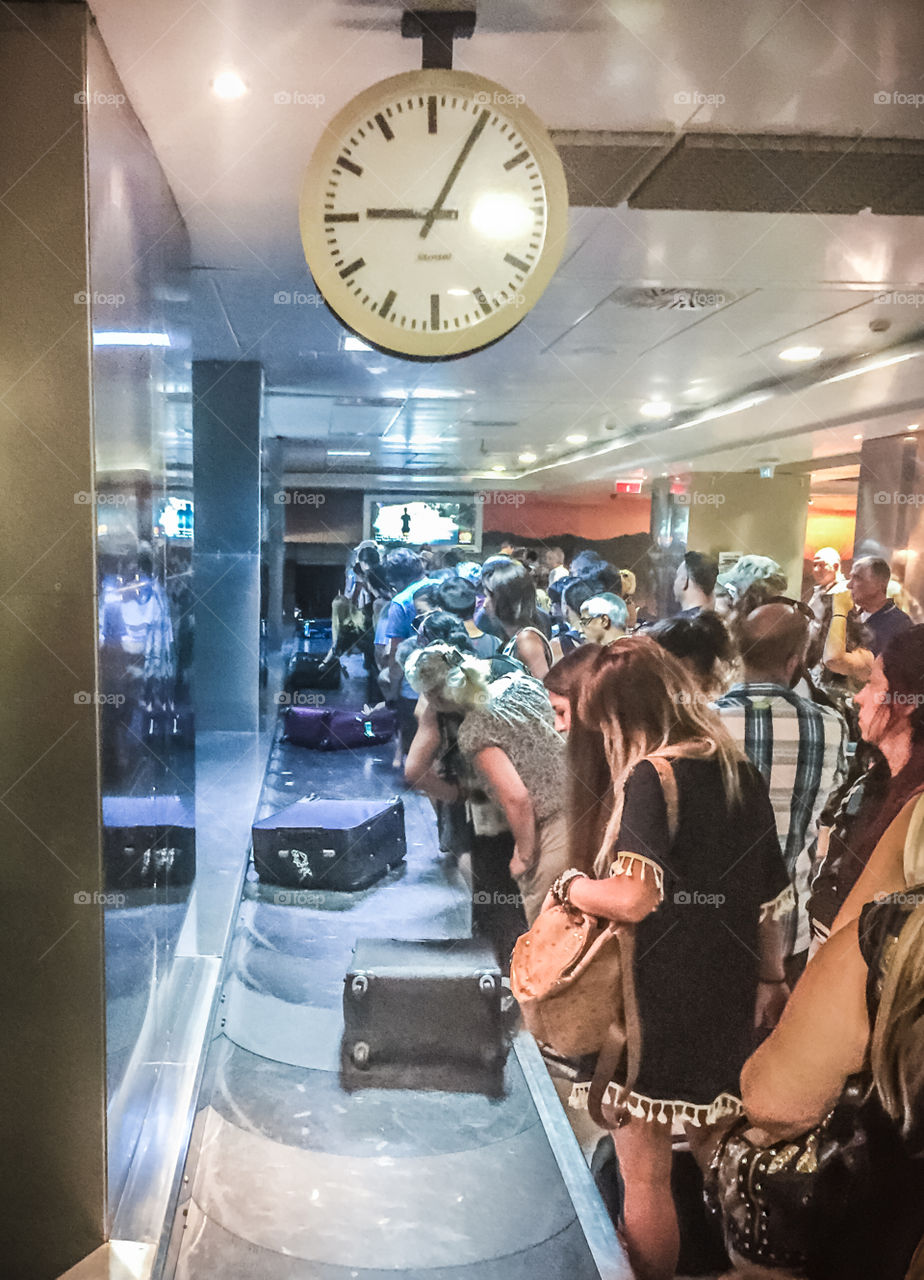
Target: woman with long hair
[(510, 598), (853, 1027), (705, 901)]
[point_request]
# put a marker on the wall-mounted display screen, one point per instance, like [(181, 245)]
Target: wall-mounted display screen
[(175, 519), (437, 521)]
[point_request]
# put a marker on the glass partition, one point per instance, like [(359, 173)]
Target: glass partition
[(143, 491)]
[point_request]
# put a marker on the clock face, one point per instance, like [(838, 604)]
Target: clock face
[(433, 213)]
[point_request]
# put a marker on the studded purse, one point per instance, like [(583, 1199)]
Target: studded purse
[(778, 1203)]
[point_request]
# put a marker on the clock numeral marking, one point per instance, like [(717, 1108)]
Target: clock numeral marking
[(341, 217), (431, 114), (344, 163), (482, 300), (386, 128), (517, 159), (516, 262), (353, 266), (434, 310), (387, 304)]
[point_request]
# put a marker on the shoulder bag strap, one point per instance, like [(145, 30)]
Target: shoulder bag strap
[(624, 1038)]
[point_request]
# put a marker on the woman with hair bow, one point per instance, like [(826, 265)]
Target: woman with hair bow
[(514, 785)]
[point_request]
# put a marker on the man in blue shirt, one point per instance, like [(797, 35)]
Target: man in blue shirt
[(869, 584)]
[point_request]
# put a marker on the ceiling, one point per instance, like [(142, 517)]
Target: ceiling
[(690, 306)]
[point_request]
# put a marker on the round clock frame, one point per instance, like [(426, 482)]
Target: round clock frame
[(433, 213)]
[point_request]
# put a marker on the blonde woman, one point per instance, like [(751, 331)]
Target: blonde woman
[(706, 903), (516, 785)]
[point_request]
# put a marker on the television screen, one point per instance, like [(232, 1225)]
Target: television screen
[(436, 521)]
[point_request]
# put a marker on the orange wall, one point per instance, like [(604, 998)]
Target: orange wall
[(537, 516), (830, 529)]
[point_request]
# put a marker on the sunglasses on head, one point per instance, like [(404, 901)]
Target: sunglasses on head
[(799, 605)]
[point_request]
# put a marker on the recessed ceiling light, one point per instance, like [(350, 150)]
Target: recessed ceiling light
[(499, 467), (576, 439), (527, 457), (348, 453), (655, 409), (913, 427), (859, 437), (797, 354), (228, 85)]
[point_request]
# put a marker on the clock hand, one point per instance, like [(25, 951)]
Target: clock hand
[(454, 173), (449, 214)]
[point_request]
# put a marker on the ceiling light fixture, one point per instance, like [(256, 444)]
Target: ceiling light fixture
[(858, 437), (499, 467), (576, 439), (798, 354), (348, 453), (527, 457), (655, 409), (121, 339), (228, 85)]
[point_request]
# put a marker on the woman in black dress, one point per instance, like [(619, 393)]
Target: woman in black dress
[(708, 960)]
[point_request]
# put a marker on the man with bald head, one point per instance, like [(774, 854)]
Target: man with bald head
[(798, 745)]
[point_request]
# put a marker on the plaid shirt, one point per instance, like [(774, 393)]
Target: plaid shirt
[(800, 749)]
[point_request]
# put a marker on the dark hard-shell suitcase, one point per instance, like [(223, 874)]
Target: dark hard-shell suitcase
[(330, 844), (309, 672), (421, 1014), (148, 841)]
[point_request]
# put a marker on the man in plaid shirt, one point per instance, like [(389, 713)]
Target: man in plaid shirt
[(798, 745)]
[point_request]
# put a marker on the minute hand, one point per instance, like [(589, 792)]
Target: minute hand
[(453, 174)]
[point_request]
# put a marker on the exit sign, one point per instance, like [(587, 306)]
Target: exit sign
[(629, 486)]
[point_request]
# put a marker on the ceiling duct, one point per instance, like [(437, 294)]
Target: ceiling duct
[(764, 173), (674, 299)]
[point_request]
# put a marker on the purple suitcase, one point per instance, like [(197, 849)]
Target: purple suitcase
[(361, 728), (329, 730)]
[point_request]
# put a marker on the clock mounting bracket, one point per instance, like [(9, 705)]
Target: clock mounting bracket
[(437, 28)]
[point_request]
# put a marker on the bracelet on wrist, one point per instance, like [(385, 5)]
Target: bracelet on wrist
[(562, 886)]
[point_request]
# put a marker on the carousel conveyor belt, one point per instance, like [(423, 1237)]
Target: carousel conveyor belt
[(291, 1177)]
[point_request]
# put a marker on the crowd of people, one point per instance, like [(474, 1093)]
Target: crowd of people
[(779, 923)]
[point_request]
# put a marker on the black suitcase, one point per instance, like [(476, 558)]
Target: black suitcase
[(423, 1014), (306, 671), (148, 842), (330, 844)]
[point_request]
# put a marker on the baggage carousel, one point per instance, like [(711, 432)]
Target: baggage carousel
[(292, 1177)]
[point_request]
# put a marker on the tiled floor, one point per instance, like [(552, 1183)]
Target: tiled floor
[(293, 1178)]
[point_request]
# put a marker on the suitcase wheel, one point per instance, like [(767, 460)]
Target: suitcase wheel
[(360, 985), (360, 1053), (486, 984)]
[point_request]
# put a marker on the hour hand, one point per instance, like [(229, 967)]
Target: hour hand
[(448, 214)]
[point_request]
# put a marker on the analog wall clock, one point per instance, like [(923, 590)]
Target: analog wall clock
[(433, 213)]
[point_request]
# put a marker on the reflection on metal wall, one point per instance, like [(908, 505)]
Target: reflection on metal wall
[(144, 518), (890, 512)]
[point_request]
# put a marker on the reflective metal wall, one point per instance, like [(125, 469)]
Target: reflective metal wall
[(139, 288)]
